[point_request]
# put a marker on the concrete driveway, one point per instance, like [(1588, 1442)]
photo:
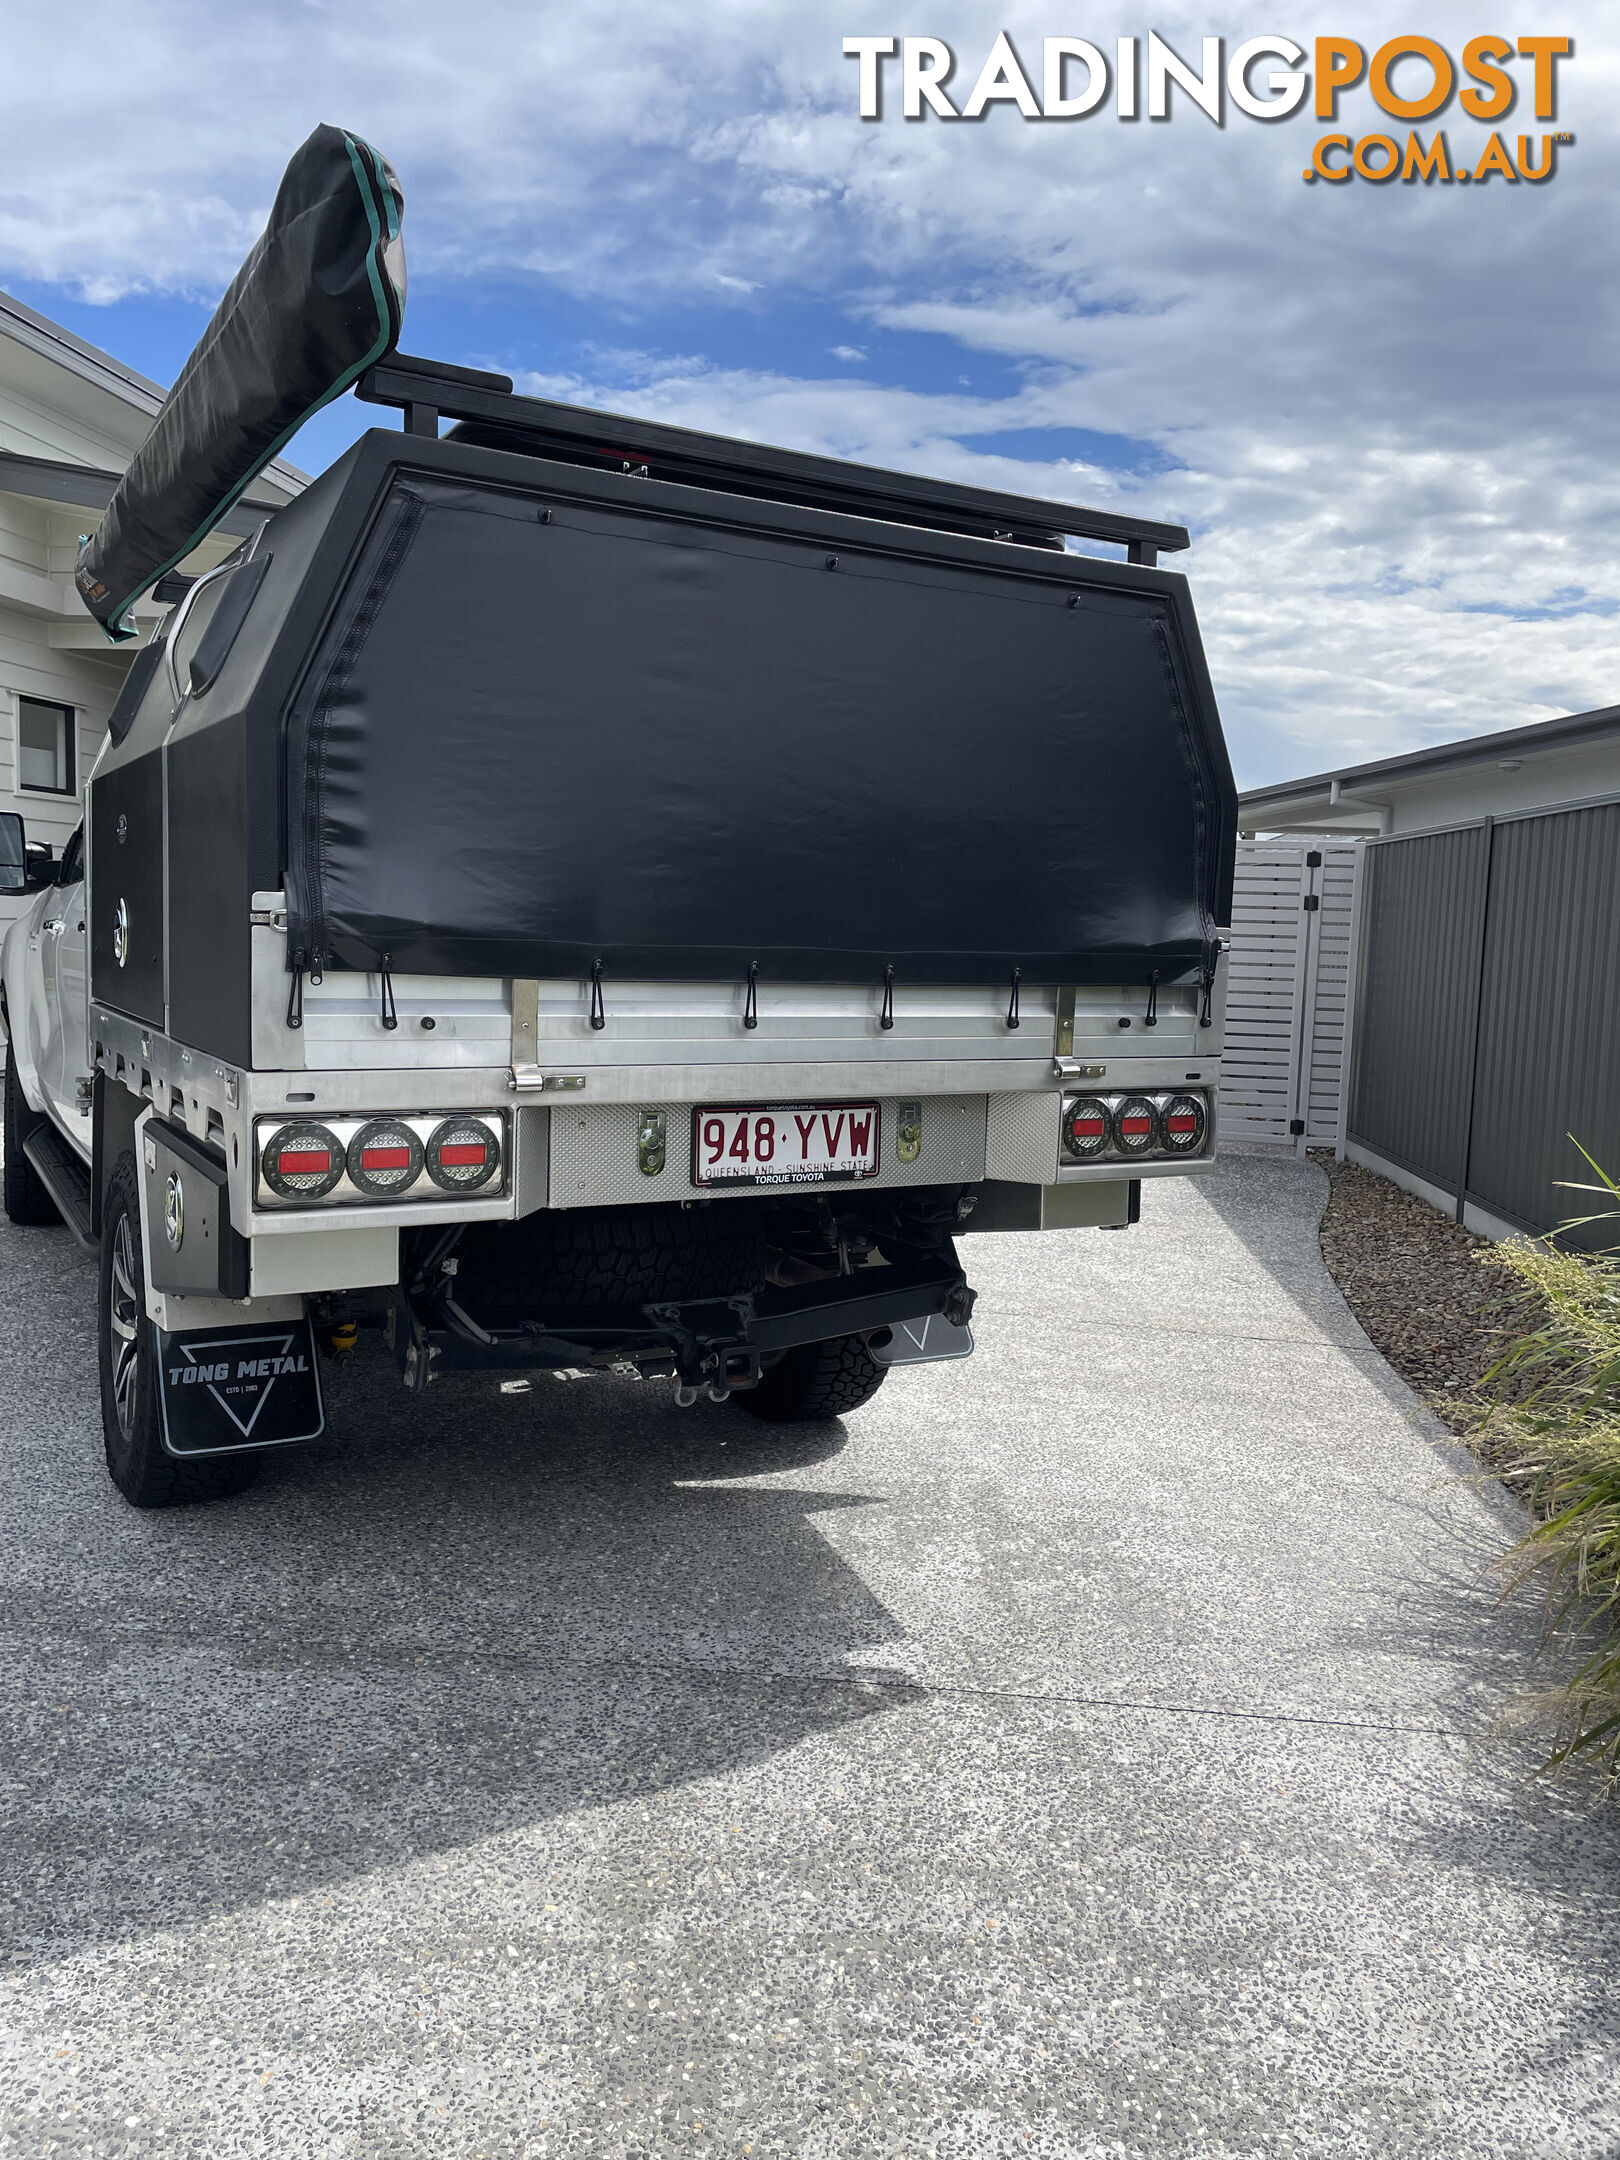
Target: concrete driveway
[(1088, 1751)]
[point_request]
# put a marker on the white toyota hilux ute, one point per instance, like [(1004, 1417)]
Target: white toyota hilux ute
[(42, 967), (577, 896)]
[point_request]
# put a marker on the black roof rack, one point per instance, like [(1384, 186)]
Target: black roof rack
[(492, 416)]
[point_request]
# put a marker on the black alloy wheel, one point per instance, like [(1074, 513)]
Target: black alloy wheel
[(140, 1466)]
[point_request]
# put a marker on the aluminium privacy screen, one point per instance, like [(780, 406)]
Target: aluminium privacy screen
[(538, 738)]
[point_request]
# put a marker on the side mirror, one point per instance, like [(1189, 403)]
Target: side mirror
[(26, 866), (13, 853)]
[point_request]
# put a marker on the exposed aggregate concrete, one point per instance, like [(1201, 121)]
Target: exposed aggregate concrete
[(1086, 1753)]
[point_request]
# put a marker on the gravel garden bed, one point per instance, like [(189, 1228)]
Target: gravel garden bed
[(1414, 1281)]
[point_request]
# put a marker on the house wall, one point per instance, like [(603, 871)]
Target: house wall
[(1475, 787), (1543, 780), (39, 611)]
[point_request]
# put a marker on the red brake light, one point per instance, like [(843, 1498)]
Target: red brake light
[(302, 1162), (1186, 1124), (385, 1157), (1136, 1126), (1086, 1127), (463, 1155)]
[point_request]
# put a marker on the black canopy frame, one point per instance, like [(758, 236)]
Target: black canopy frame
[(494, 418)]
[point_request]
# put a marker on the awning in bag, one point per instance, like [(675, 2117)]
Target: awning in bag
[(319, 299)]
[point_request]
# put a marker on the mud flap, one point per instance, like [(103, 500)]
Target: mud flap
[(224, 1389)]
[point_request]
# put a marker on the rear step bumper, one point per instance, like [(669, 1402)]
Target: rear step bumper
[(706, 1341), (66, 1177)]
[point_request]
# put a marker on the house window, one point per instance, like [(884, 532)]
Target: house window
[(45, 746)]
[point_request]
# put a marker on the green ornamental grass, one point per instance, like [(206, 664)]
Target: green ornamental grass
[(1552, 1430)]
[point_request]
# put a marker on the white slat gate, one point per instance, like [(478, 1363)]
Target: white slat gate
[(1288, 989)]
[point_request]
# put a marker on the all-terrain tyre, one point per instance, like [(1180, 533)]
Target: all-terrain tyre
[(612, 1256), (816, 1380), (25, 1197), (131, 1415)]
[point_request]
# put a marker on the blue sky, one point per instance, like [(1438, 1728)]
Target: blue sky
[(1387, 414)]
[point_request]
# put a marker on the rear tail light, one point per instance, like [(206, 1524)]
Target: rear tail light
[(415, 1156), (1136, 1126), (1087, 1127), (302, 1162), (384, 1157), (463, 1154), (1096, 1128), (1184, 1122)]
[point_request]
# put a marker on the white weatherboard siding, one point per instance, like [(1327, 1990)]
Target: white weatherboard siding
[(1287, 995), (39, 612), (39, 615)]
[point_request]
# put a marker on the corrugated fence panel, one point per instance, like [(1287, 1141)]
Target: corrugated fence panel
[(1549, 1036), (1262, 992), (1419, 984)]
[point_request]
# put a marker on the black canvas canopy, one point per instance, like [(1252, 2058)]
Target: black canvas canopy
[(315, 304), (577, 723)]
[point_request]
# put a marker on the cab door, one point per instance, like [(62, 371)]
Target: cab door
[(63, 1040)]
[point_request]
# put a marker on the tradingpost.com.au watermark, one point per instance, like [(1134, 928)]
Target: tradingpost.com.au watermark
[(1265, 78)]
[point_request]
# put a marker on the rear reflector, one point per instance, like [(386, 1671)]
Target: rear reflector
[(298, 1162), (461, 1156)]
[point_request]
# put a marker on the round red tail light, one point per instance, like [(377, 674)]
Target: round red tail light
[(1136, 1126), (302, 1162), (1087, 1128), (384, 1157), (463, 1154), (1185, 1121)]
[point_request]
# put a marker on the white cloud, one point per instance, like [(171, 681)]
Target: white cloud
[(1388, 414)]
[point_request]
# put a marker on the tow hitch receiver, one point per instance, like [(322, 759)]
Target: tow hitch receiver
[(705, 1345), (224, 1389)]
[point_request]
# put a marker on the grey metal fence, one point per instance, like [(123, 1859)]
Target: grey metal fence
[(1487, 1033)]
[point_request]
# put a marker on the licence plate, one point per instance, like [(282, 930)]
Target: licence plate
[(791, 1144)]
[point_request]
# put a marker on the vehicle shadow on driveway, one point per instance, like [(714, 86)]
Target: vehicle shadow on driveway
[(451, 1618)]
